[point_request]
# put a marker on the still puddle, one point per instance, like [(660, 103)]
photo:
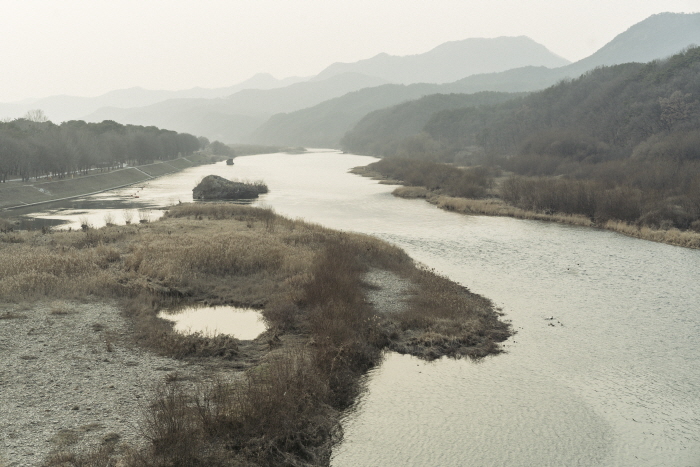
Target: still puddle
[(241, 323)]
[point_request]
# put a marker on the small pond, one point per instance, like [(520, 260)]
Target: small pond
[(241, 323)]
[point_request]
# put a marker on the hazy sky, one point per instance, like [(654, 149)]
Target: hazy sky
[(88, 47)]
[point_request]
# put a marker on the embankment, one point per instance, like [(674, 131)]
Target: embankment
[(17, 194)]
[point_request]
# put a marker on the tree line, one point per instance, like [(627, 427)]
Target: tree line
[(619, 142), (34, 147)]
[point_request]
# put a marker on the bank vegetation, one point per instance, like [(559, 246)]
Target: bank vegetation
[(489, 191), (299, 375), (617, 147)]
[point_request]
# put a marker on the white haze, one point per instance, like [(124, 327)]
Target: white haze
[(86, 48)]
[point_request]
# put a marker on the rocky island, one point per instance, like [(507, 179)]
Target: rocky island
[(219, 188)]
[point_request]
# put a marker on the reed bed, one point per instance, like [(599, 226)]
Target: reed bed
[(497, 207), (685, 238)]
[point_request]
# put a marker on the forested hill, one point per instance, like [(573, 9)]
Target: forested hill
[(640, 110), (650, 110), (619, 143), (382, 132), (40, 148), (325, 124)]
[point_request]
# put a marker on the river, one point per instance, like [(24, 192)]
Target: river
[(612, 379)]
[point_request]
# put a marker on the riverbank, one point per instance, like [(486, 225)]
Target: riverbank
[(272, 400), (497, 207), (16, 194)]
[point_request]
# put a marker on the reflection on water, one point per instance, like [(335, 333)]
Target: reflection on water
[(142, 202), (240, 323), (615, 382)]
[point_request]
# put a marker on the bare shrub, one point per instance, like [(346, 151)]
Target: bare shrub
[(282, 315), (109, 218), (5, 226), (85, 223), (59, 307), (128, 215), (144, 216)]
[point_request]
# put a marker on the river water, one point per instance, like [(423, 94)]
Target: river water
[(612, 379)]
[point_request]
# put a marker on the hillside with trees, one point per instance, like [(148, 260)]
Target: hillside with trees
[(37, 147), (620, 142), (325, 124), (384, 132)]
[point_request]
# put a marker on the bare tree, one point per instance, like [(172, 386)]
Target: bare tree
[(36, 115)]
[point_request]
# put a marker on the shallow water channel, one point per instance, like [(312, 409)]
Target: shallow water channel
[(612, 380)]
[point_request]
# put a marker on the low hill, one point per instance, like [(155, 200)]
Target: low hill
[(606, 114), (381, 133), (454, 60), (323, 125)]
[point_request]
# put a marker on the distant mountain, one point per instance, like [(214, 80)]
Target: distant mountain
[(323, 124), (243, 111), (658, 36), (453, 60), (62, 108)]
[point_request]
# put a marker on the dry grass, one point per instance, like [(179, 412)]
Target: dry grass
[(411, 192), (677, 237), (323, 334), (496, 207)]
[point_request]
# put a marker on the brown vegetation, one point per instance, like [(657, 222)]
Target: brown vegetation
[(645, 200), (322, 336)]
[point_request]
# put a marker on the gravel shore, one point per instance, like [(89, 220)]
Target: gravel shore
[(388, 291), (69, 379)]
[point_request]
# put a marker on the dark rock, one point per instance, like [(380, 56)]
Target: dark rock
[(229, 161), (215, 187)]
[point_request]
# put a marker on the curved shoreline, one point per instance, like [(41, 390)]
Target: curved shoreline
[(497, 207), (325, 331), (17, 195)]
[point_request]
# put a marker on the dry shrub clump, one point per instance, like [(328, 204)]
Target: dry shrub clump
[(275, 414)]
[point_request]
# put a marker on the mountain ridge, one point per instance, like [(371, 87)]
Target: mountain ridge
[(452, 60), (662, 32)]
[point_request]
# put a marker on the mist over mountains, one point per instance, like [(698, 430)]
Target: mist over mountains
[(658, 36), (318, 111), (452, 61), (61, 108)]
